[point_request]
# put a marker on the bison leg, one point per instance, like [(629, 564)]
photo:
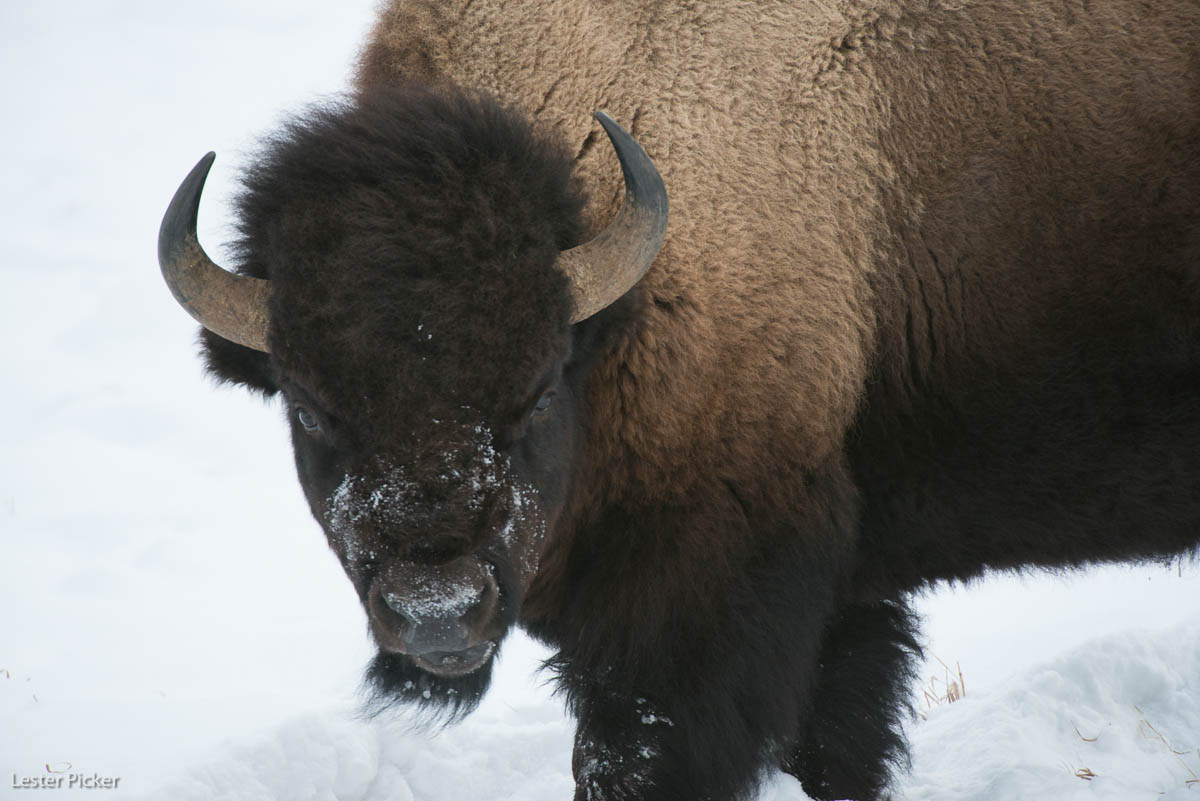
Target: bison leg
[(852, 740), (689, 665), (638, 749)]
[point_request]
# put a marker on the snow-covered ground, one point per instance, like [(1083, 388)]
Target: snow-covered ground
[(170, 615)]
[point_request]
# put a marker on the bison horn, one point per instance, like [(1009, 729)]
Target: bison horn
[(608, 266), (230, 305)]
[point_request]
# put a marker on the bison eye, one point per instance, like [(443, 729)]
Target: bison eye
[(543, 403), (307, 419)]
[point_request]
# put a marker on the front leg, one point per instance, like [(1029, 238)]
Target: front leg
[(619, 751), (852, 739), (689, 671), (702, 714)]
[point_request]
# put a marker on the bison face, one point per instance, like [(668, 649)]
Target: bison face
[(436, 436), (441, 533), (411, 282)]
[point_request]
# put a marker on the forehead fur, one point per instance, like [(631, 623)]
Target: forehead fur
[(410, 238)]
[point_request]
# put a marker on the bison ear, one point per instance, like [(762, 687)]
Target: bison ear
[(231, 363)]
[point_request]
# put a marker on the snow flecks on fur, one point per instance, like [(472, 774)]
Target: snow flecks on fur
[(391, 496), (649, 719), (649, 716), (606, 774), (355, 500), (487, 464), (525, 519)]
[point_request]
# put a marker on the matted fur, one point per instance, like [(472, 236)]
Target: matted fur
[(929, 304)]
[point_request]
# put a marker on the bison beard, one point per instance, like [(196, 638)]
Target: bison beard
[(929, 307), (394, 679)]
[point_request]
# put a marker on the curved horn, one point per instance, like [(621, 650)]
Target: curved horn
[(230, 305), (605, 268)]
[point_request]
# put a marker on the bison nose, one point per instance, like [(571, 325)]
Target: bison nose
[(434, 610), (425, 635)]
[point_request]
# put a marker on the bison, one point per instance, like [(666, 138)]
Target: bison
[(928, 305)]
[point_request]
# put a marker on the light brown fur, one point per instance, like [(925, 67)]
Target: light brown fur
[(815, 152)]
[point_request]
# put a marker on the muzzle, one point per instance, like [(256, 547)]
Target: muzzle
[(445, 617)]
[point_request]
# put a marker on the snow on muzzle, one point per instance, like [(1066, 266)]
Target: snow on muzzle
[(446, 616), (423, 539), (398, 536)]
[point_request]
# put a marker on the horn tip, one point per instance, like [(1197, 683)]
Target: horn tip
[(640, 173), (610, 126), (200, 171), (180, 218)]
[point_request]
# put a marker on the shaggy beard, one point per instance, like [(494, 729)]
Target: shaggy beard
[(392, 681)]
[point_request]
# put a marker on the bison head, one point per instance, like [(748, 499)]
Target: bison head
[(410, 283)]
